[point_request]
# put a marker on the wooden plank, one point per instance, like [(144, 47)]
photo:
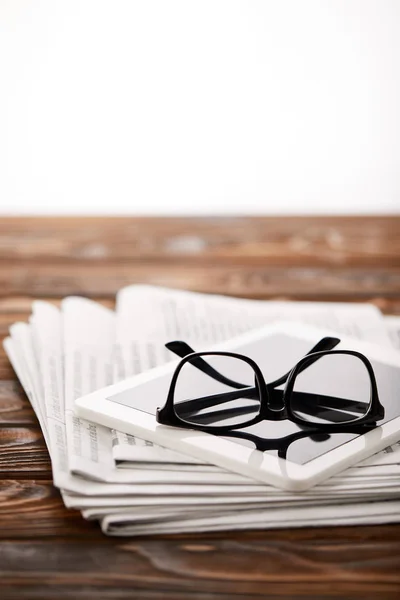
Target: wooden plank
[(15, 409), (20, 307), (101, 280), (23, 453), (6, 370), (8, 319), (101, 592), (242, 566), (32, 509), (388, 306), (298, 240)]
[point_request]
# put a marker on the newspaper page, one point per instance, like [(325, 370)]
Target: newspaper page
[(374, 513), (219, 505), (25, 356), (161, 314), (15, 354), (88, 341)]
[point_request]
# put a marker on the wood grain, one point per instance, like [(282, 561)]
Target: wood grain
[(15, 409), (32, 509), (99, 280), (298, 240), (23, 451), (47, 551), (243, 567)]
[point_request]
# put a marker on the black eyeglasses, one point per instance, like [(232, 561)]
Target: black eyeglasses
[(218, 392)]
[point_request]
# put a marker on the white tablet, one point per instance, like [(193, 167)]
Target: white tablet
[(287, 457)]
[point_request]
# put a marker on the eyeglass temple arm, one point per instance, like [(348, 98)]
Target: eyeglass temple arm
[(182, 349), (324, 345)]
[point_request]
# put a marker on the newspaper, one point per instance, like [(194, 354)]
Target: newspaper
[(152, 313), (62, 354), (306, 516)]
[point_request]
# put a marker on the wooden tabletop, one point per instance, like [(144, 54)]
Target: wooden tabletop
[(47, 551)]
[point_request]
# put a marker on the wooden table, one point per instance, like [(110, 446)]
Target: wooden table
[(47, 551)]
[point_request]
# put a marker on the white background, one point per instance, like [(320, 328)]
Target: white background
[(199, 106)]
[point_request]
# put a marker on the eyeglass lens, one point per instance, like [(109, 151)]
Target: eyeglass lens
[(335, 389), (200, 399)]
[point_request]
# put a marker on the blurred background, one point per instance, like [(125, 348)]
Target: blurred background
[(199, 107)]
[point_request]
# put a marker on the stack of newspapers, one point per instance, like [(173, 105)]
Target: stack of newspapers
[(133, 487)]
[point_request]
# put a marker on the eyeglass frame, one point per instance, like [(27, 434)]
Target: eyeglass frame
[(167, 414)]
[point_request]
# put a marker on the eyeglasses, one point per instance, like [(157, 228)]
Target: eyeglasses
[(218, 392)]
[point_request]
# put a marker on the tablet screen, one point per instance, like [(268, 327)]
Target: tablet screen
[(276, 354)]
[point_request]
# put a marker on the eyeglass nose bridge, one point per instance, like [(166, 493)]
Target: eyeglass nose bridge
[(275, 404)]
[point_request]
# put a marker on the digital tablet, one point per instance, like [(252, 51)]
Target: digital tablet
[(281, 453)]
